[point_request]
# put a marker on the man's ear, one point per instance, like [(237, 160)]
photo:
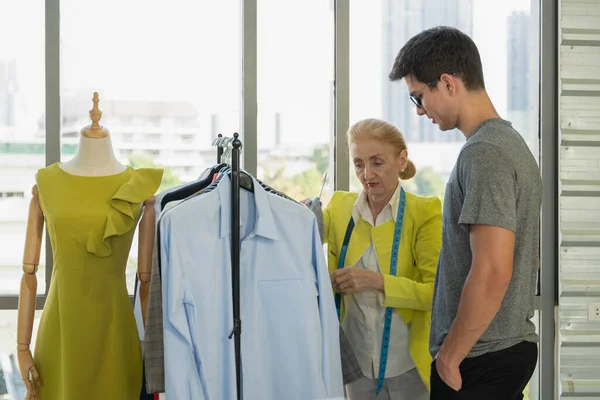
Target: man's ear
[(449, 83)]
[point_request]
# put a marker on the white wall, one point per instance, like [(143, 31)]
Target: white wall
[(579, 202)]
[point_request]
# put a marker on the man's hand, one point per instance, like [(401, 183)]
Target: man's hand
[(355, 280), (449, 371)]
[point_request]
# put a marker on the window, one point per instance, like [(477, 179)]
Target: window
[(22, 132), (506, 34), (180, 63), (295, 98), (11, 385), (171, 85), (153, 138), (12, 194)]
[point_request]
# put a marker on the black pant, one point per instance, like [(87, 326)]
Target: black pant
[(500, 375)]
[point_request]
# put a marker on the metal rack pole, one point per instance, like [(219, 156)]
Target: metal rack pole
[(235, 255)]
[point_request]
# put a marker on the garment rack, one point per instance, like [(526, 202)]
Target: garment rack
[(227, 147)]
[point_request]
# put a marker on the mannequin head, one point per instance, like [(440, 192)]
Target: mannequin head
[(95, 130)]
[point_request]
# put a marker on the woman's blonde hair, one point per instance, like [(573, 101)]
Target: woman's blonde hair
[(373, 128)]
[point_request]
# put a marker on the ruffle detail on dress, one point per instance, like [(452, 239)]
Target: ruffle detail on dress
[(123, 212)]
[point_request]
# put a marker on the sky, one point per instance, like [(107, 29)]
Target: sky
[(190, 50)]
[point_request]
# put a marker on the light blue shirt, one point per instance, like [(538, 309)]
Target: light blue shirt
[(290, 331)]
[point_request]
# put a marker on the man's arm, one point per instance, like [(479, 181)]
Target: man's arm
[(489, 209), (491, 271)]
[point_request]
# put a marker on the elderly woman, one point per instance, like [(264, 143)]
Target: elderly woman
[(383, 249)]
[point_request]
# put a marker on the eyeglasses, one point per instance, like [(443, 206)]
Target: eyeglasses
[(417, 99)]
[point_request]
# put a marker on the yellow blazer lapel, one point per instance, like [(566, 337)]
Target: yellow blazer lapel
[(383, 237), (359, 242)]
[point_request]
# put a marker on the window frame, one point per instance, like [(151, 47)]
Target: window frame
[(548, 136)]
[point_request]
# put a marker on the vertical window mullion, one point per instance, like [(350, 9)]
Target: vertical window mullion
[(52, 58), (549, 167), (341, 95), (249, 100)]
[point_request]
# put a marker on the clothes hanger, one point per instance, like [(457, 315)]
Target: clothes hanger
[(191, 188), (246, 181)]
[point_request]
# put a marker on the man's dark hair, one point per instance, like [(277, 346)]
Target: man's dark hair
[(440, 50)]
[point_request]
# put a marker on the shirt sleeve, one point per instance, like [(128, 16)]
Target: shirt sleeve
[(181, 378), (330, 327), (316, 207), (488, 185)]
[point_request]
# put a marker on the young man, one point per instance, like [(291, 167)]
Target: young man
[(482, 340)]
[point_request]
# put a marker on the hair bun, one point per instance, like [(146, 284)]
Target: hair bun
[(409, 172)]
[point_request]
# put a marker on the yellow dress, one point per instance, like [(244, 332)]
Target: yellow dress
[(87, 345)]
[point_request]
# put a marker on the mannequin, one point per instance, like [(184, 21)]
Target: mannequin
[(94, 158)]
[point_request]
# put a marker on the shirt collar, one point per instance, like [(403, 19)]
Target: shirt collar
[(265, 220), (361, 209)]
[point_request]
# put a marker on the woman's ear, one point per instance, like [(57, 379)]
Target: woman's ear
[(403, 160)]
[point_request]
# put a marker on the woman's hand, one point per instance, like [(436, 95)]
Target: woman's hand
[(355, 280)]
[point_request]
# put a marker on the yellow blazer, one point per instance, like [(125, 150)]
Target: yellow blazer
[(411, 290)]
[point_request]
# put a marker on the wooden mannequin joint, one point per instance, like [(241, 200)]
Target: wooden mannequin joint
[(22, 347), (150, 201), (30, 269)]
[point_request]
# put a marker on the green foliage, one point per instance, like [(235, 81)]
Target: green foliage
[(426, 183), (299, 186), (320, 158), (143, 160)]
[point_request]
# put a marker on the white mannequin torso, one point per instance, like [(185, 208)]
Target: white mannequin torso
[(94, 157)]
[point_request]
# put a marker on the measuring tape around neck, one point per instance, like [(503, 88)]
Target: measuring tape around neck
[(385, 343)]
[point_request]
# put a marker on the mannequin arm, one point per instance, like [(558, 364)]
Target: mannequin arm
[(145, 248), (28, 291)]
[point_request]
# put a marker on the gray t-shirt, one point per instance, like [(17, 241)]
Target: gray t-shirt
[(496, 181)]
